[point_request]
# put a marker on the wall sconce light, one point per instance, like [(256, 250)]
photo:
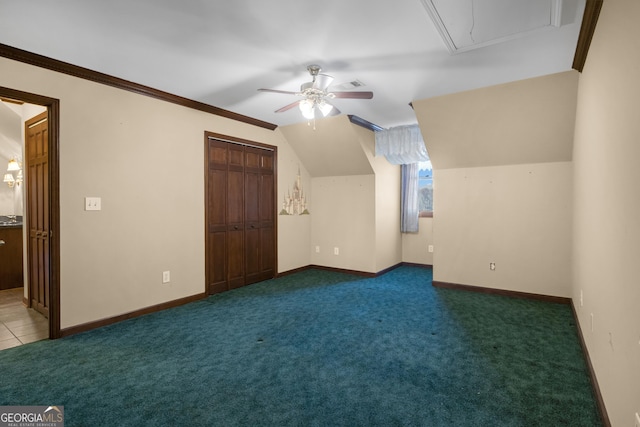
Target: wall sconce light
[(13, 165), (9, 178)]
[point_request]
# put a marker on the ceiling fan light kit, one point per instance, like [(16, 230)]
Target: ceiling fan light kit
[(316, 95)]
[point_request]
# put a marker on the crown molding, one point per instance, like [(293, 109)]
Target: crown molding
[(97, 77), (364, 123), (589, 20)]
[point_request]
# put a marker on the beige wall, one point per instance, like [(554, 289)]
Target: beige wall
[(388, 243), (144, 158), (343, 216), (503, 184), (517, 216), (606, 247), (10, 146), (523, 122), (294, 231), (415, 246), (354, 196)]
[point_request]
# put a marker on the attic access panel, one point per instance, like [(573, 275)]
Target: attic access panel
[(471, 24)]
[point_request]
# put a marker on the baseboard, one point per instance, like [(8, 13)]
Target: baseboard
[(413, 264), (343, 270), (504, 292), (25, 302), (147, 310), (592, 373), (294, 271), (322, 267), (354, 272)]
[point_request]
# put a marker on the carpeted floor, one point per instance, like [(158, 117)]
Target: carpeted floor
[(318, 348)]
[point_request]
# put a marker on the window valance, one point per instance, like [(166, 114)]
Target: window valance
[(401, 145)]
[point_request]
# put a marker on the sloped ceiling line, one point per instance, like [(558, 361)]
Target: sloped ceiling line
[(587, 29), (97, 77)]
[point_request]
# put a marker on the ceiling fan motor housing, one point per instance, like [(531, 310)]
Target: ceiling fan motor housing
[(314, 69)]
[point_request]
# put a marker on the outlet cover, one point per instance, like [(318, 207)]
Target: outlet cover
[(336, 251), (166, 276), (581, 299), (637, 419), (430, 248), (492, 266)]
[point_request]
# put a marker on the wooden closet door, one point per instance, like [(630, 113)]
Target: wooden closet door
[(240, 215), (267, 219), (217, 161), (235, 217), (259, 215)]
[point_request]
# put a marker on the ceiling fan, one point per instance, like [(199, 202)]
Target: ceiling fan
[(316, 95)]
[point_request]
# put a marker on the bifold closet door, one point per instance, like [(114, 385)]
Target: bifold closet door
[(259, 214), (240, 215)]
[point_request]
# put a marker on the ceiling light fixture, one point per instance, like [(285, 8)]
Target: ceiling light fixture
[(308, 106), (317, 95)]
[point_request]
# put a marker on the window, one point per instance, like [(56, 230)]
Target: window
[(425, 189)]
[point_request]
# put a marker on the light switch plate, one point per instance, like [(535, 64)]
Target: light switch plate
[(92, 203)]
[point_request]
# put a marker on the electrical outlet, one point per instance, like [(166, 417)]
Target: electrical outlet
[(92, 203), (317, 249), (336, 251), (430, 248), (492, 266), (637, 419), (166, 276)]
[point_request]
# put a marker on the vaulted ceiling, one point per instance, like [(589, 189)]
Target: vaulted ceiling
[(221, 52)]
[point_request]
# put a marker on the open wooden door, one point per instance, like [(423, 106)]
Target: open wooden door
[(37, 182)]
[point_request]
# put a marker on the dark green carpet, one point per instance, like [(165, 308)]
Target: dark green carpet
[(318, 349)]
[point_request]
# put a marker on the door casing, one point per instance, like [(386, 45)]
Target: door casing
[(53, 110)]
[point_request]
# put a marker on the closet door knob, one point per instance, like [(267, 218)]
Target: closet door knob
[(1, 242)]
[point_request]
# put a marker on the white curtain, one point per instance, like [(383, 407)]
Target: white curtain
[(409, 211), (401, 145)]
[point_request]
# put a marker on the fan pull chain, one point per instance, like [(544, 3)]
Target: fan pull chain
[(314, 123)]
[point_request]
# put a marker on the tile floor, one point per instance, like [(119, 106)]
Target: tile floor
[(18, 324)]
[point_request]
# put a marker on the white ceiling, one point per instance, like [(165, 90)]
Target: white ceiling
[(221, 52)]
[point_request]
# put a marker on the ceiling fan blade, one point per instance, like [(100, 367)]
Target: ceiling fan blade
[(286, 92), (353, 95), (322, 81), (288, 107), (334, 111)]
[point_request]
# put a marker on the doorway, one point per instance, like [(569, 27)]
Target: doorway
[(45, 193)]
